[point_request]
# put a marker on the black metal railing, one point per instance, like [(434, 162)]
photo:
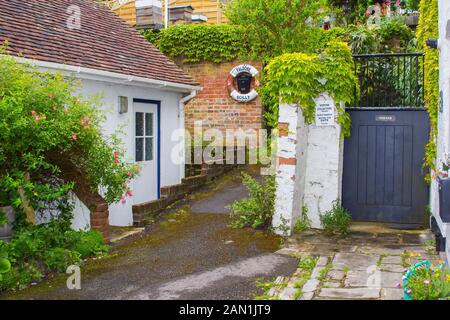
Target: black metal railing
[(390, 80)]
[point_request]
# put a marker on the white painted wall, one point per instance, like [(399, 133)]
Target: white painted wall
[(316, 180), (443, 141), (290, 178), (121, 214), (323, 170)]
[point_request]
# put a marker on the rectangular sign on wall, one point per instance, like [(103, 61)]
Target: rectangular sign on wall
[(324, 112)]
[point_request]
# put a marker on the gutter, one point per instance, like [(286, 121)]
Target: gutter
[(181, 106), (95, 74)]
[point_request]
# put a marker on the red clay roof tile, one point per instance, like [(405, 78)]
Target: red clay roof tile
[(37, 29)]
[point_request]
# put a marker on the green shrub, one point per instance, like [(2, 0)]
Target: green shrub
[(90, 243), (46, 125), (336, 220), (59, 259), (256, 211), (303, 223), (429, 283), (36, 250)]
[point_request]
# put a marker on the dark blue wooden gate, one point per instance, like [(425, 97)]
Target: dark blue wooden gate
[(383, 178)]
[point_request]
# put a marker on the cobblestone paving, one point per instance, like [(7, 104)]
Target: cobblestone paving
[(361, 265)]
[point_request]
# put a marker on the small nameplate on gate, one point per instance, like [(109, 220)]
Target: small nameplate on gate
[(385, 118), (324, 112)]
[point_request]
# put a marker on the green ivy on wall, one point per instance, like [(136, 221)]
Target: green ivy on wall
[(219, 43), (429, 29), (202, 42), (298, 78)]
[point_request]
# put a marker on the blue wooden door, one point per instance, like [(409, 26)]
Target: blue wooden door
[(383, 179)]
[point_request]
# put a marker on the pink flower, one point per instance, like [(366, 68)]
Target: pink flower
[(129, 194), (405, 270), (427, 282), (124, 201), (398, 285), (409, 291), (130, 174), (33, 113), (74, 137), (36, 118)]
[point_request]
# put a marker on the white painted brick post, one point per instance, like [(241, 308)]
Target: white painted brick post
[(309, 168), (291, 162)]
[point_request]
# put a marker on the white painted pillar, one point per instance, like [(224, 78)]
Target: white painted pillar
[(443, 139), (291, 165), (324, 166), (309, 168)]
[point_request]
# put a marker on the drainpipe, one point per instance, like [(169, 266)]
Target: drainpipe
[(181, 106)]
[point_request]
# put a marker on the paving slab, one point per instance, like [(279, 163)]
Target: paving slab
[(353, 261), (332, 284), (391, 294), (350, 293), (288, 293), (336, 275), (392, 260), (391, 279), (311, 285), (391, 267), (307, 296)]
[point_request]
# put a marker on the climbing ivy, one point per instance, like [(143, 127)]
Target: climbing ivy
[(220, 43), (299, 78), (202, 42), (429, 29)]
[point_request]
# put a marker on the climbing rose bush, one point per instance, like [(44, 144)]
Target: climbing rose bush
[(43, 119)]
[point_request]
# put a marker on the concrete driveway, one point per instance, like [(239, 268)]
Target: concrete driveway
[(189, 253)]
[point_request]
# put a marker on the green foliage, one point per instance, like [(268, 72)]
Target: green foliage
[(393, 35), (36, 250), (5, 264), (336, 220), (429, 283), (429, 29), (202, 42), (298, 78), (303, 223), (256, 210), (89, 243), (307, 263), (306, 266), (279, 26), (43, 121), (3, 218)]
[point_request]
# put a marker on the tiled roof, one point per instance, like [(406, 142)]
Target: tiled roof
[(38, 29)]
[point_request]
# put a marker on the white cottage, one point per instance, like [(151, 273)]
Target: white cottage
[(143, 91)]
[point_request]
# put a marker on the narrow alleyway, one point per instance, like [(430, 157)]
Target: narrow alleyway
[(188, 253)]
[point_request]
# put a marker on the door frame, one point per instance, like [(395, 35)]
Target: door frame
[(158, 140)]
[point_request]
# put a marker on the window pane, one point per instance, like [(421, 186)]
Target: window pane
[(148, 149), (149, 124), (139, 149), (139, 124)]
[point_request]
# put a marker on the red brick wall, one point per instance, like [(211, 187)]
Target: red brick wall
[(213, 105)]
